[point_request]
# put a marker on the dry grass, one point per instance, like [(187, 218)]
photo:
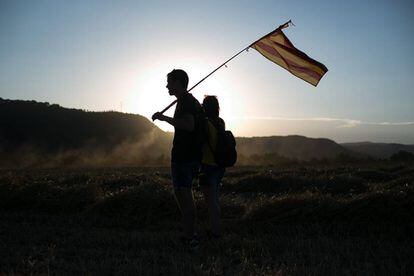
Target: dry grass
[(277, 221)]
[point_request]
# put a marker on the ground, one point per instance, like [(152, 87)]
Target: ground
[(298, 220)]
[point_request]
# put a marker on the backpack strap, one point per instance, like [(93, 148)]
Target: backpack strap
[(208, 135), (219, 126)]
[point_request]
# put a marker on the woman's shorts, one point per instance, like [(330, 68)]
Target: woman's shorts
[(211, 175)]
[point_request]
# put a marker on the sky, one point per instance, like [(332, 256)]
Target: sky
[(114, 55)]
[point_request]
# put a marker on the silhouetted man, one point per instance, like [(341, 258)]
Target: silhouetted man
[(186, 150)]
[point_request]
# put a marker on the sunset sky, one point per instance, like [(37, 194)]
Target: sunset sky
[(114, 55)]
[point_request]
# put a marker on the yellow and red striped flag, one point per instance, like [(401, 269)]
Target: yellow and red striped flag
[(276, 47)]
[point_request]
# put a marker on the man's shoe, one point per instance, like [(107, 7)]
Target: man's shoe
[(213, 236), (194, 243)]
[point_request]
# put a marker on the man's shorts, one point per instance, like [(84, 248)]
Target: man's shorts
[(183, 173)]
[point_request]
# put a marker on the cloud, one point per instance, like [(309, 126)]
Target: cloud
[(342, 122)]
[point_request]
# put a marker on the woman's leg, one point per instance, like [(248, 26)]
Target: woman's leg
[(210, 193)]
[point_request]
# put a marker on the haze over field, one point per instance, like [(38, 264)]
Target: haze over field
[(34, 134), (101, 55)]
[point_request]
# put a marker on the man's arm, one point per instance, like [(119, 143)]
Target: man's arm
[(186, 122)]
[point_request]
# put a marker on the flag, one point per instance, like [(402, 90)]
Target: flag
[(276, 47)]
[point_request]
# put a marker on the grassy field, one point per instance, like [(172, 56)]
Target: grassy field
[(298, 220)]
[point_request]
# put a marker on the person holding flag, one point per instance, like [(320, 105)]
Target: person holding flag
[(186, 150)]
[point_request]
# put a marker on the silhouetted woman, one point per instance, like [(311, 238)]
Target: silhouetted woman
[(211, 173)]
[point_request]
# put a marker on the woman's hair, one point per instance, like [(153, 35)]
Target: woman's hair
[(211, 106)]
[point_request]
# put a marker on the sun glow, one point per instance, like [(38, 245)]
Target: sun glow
[(149, 93)]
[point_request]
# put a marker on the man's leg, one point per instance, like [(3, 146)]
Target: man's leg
[(184, 197)]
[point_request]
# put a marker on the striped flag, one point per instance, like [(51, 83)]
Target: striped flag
[(276, 47)]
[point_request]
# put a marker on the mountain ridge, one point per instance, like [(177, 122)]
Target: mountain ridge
[(378, 150), (42, 134)]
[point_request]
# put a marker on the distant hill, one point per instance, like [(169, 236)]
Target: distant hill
[(293, 146), (378, 150), (34, 134)]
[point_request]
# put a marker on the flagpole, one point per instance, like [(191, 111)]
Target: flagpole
[(174, 102), (244, 49)]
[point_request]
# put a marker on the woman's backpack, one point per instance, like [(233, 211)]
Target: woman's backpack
[(225, 153)]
